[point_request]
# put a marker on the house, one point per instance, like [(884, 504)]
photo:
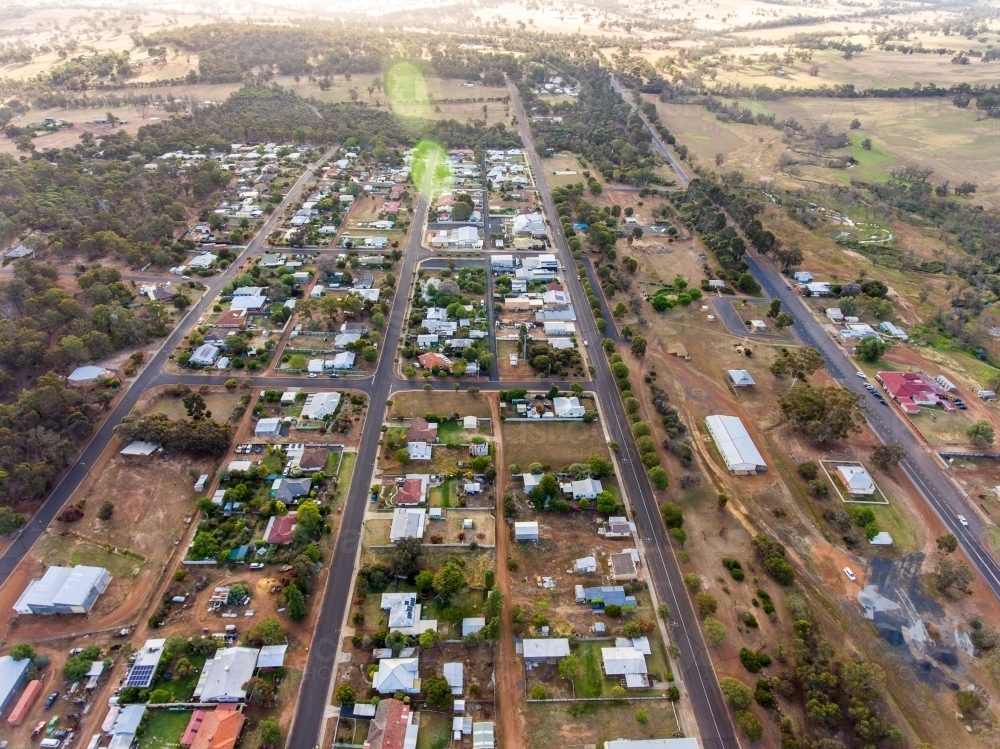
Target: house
[(139, 448), (585, 565), (857, 480), (419, 450), (344, 360), (622, 661), (13, 676), (205, 355), (912, 390), (539, 651), (317, 291), (529, 225), (526, 531), (126, 725), (268, 428), (213, 729), (353, 327), (530, 480), (835, 314), (279, 529), (288, 490), (426, 341), (87, 376), (472, 624), (413, 490), (404, 614), (271, 260), (605, 595), (231, 318), (407, 522), (624, 565), (147, 660), (224, 675), (204, 260), (737, 449), (320, 405), (652, 744), (587, 488), (817, 288), (803, 276), (502, 263), (420, 430), (567, 408), (312, 459), (64, 590), (893, 332), (252, 304), (434, 361), (397, 675), (740, 378), (343, 340), (392, 726), (454, 676)]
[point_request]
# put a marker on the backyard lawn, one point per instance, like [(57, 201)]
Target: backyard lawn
[(435, 730), (183, 688), (165, 728), (440, 496)]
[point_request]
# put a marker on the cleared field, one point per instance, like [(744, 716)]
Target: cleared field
[(558, 443), (219, 404), (565, 162), (576, 724), (410, 403)]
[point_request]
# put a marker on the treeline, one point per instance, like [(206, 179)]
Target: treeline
[(600, 126), (200, 436)]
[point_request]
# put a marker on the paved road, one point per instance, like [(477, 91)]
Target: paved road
[(151, 376), (920, 466), (714, 722)]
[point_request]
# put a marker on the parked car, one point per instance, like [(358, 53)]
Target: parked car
[(256, 565), (862, 375), (850, 574), (51, 700)]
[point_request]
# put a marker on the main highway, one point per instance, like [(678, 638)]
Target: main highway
[(922, 468)]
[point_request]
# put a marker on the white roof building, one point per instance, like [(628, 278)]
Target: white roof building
[(125, 726), (248, 302), (526, 531), (531, 224), (585, 565), (344, 360), (144, 666), (87, 375), (64, 590), (397, 675), (272, 656), (454, 676), (741, 378), (686, 743), (542, 650), (857, 480), (738, 450), (205, 355), (567, 408), (622, 661), (587, 488), (320, 405), (268, 428), (472, 624), (419, 450), (407, 522), (224, 676)]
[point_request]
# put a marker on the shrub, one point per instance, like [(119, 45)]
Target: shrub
[(672, 514), (808, 470), (346, 694), (750, 725), (735, 568), (736, 694), (692, 581), (180, 574), (106, 510), (658, 477), (754, 661), (673, 694), (706, 603), (715, 632), (763, 696), (678, 535), (538, 692), (642, 715), (749, 620), (613, 610)]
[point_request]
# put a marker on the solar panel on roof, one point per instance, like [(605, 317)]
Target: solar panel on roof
[(140, 676)]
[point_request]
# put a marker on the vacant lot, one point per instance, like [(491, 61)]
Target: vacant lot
[(557, 443), (565, 162), (940, 428), (410, 403), (220, 404), (579, 724)]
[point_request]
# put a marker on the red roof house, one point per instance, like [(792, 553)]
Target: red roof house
[(279, 529), (388, 727), (411, 492), (554, 286), (912, 390), (419, 430), (231, 318), (431, 360), (218, 729)]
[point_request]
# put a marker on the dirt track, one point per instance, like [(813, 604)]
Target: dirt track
[(509, 698)]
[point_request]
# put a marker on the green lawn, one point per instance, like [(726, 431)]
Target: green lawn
[(333, 464), (182, 689), (164, 729), (451, 432), (590, 681), (435, 730), (440, 496), (344, 475)]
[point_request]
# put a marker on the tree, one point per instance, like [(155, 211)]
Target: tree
[(10, 521), (427, 639), (606, 502), (981, 433), (870, 349), (827, 413), (403, 559), (658, 477), (789, 256), (947, 544), (159, 696), (424, 580), (884, 456), (600, 467), (23, 651), (639, 346), (569, 666), (195, 406), (798, 362), (270, 731), (715, 632), (296, 603), (106, 510), (345, 694), (783, 320), (867, 144), (267, 631), (449, 580), (259, 691), (673, 515), (706, 603), (750, 725), (951, 574), (619, 310), (437, 691), (736, 694)]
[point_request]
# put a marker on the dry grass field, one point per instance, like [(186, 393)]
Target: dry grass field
[(558, 443), (409, 403)]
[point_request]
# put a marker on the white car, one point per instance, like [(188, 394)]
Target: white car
[(256, 565), (850, 574), (862, 375), (963, 521), (313, 374)]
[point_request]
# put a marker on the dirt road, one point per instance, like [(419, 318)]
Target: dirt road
[(509, 691)]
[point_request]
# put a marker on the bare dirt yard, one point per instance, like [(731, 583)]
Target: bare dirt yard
[(409, 403), (557, 443)]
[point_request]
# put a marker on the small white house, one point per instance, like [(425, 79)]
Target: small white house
[(268, 428), (568, 408), (526, 531), (585, 565), (857, 480)]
